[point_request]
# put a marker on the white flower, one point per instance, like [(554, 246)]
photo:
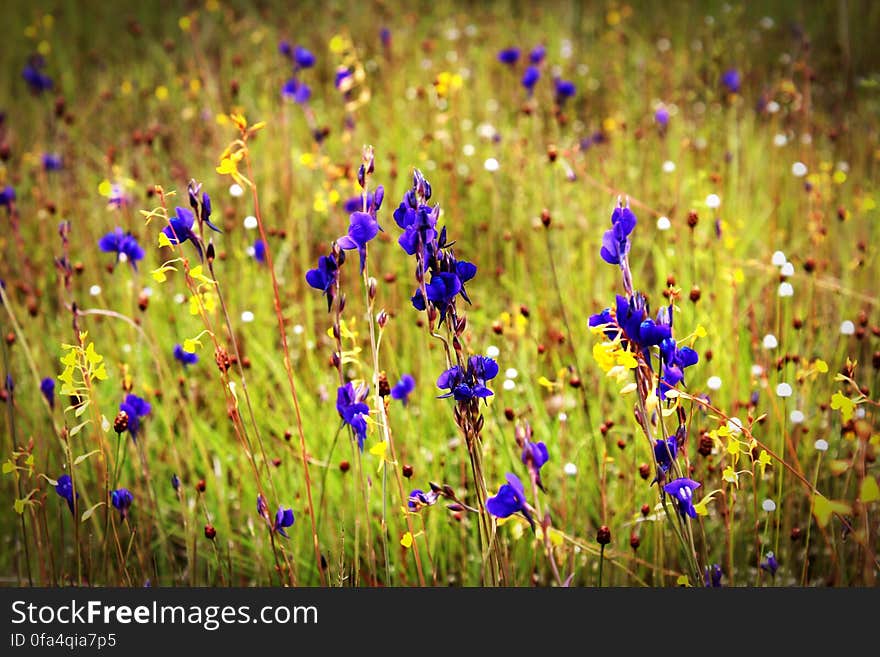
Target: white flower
[(772, 107), (778, 259), (713, 201), (757, 370), (821, 445), (769, 506), (799, 169), (511, 373), (787, 270), (786, 290), (783, 390), (570, 469), (250, 222), (770, 341), (714, 383), (491, 165), (847, 328), (663, 223), (735, 426), (492, 351), (236, 190), (796, 417), (780, 140), (298, 329), (562, 417), (468, 150), (179, 298), (95, 290), (668, 166), (247, 316), (509, 384)]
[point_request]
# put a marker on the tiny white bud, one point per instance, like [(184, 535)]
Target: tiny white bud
[(714, 383), (783, 390), (770, 341), (847, 328)]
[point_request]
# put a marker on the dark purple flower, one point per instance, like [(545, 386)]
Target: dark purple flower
[(121, 244), (52, 162), (325, 277), (682, 491), (665, 452), (303, 57), (122, 500), (184, 356), (135, 408), (352, 409), (34, 76), (732, 80), (565, 89), (385, 37), (298, 92), (511, 498), (468, 383), (175, 482), (285, 48), (361, 229), (713, 576), (283, 518), (403, 388), (7, 196), (47, 387), (536, 56), (260, 251), (64, 488), (615, 242), (509, 56), (770, 564), (530, 78), (180, 228)]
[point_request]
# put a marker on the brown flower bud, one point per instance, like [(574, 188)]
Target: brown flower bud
[(120, 424), (603, 536), (634, 541), (407, 470), (344, 466), (210, 532), (644, 470), (201, 486)]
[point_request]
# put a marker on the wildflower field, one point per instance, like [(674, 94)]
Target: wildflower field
[(440, 294)]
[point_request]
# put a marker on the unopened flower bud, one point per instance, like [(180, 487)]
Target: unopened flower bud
[(120, 424), (603, 536)]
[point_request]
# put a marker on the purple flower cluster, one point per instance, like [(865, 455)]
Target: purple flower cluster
[(434, 256), (563, 89), (301, 58), (33, 74), (469, 382)]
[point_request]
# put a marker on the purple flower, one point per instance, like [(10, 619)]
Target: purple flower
[(135, 408), (352, 409), (534, 456), (283, 518), (418, 499), (530, 78), (34, 76), (52, 162), (303, 57), (180, 228), (385, 37), (342, 78), (465, 384), (7, 196), (509, 56), (713, 576), (122, 244), (615, 242), (298, 92), (47, 387), (362, 228), (260, 251), (732, 80), (682, 491), (536, 56), (661, 117), (565, 89), (665, 452), (403, 388), (324, 277), (285, 49), (184, 356), (117, 198), (122, 500), (64, 488), (770, 564), (511, 498)]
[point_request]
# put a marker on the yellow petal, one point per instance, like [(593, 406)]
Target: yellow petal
[(869, 491), (407, 540)]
